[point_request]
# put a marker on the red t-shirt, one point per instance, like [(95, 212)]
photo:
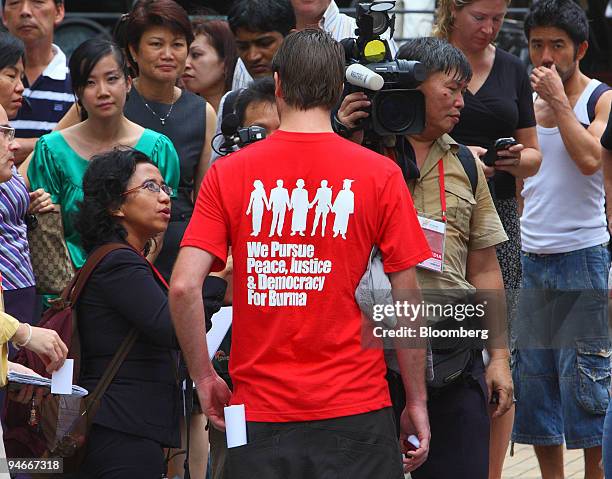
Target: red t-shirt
[(296, 336)]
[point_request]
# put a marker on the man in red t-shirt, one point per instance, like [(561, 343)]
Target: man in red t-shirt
[(316, 400)]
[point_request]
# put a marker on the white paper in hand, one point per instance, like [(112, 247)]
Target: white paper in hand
[(61, 380), (235, 425)]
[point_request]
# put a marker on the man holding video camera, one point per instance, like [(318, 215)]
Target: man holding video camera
[(449, 188)]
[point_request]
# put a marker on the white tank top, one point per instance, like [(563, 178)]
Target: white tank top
[(564, 209)]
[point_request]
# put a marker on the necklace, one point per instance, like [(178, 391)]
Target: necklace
[(162, 119)]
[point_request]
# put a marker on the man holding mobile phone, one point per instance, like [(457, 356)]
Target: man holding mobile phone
[(565, 257)]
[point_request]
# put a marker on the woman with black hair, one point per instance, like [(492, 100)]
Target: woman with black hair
[(16, 272), (126, 200), (101, 84)]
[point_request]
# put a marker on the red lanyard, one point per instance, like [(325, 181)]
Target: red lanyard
[(442, 194), (158, 274)]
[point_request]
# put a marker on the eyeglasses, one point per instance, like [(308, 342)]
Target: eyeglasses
[(151, 186), (7, 132)]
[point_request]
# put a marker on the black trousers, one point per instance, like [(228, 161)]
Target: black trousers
[(115, 455), (459, 421), (362, 446)]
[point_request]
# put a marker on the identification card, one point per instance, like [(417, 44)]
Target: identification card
[(435, 234)]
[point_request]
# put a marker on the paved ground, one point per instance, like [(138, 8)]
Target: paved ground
[(524, 464)]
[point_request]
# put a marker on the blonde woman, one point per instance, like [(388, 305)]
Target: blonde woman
[(498, 104)]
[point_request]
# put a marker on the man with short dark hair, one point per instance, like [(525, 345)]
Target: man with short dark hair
[(48, 91), (259, 27), (442, 190), (315, 399), (563, 373)]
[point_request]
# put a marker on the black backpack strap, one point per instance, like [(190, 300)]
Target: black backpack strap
[(594, 98), (469, 165)]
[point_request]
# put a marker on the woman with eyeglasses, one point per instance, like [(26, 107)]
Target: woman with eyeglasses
[(100, 80), (17, 277), (126, 200)]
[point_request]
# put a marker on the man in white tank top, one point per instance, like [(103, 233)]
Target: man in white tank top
[(562, 391)]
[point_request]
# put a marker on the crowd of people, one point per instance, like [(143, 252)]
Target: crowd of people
[(139, 142)]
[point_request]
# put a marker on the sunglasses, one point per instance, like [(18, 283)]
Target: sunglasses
[(151, 186)]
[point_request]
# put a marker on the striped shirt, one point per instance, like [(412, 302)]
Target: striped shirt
[(46, 101), (15, 265)]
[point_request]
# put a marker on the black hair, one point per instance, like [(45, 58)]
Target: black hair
[(262, 16), (437, 55), (85, 58), (104, 182), (258, 91), (563, 14), (11, 50)]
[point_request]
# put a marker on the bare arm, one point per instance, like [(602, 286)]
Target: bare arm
[(411, 359), (211, 122), (187, 310), (581, 144), (483, 272)]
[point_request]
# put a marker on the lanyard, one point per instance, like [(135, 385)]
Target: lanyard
[(442, 194), (390, 153)]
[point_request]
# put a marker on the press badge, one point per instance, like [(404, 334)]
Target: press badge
[(435, 234)]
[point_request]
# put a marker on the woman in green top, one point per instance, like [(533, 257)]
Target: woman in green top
[(101, 83)]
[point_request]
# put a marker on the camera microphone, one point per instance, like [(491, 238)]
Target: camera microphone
[(362, 77)]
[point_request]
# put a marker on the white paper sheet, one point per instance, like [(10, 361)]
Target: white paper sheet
[(61, 380), (235, 425)]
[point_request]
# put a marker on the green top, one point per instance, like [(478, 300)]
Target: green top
[(59, 170)]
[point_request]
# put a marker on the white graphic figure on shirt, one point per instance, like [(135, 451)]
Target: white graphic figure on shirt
[(323, 200), (279, 202), (299, 203), (344, 206), (256, 202)]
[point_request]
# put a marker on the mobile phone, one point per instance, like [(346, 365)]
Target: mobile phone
[(490, 157)]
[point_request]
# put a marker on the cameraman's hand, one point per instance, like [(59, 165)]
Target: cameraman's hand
[(352, 111)]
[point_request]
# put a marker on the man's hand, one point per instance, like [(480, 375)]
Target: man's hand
[(351, 112), (40, 202), (414, 420), (499, 381), (214, 396), (547, 83)]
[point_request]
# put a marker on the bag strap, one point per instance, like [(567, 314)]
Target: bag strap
[(111, 370), (594, 98), (469, 165), (73, 291)]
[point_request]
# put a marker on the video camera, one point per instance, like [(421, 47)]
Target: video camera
[(397, 108), (235, 136)]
